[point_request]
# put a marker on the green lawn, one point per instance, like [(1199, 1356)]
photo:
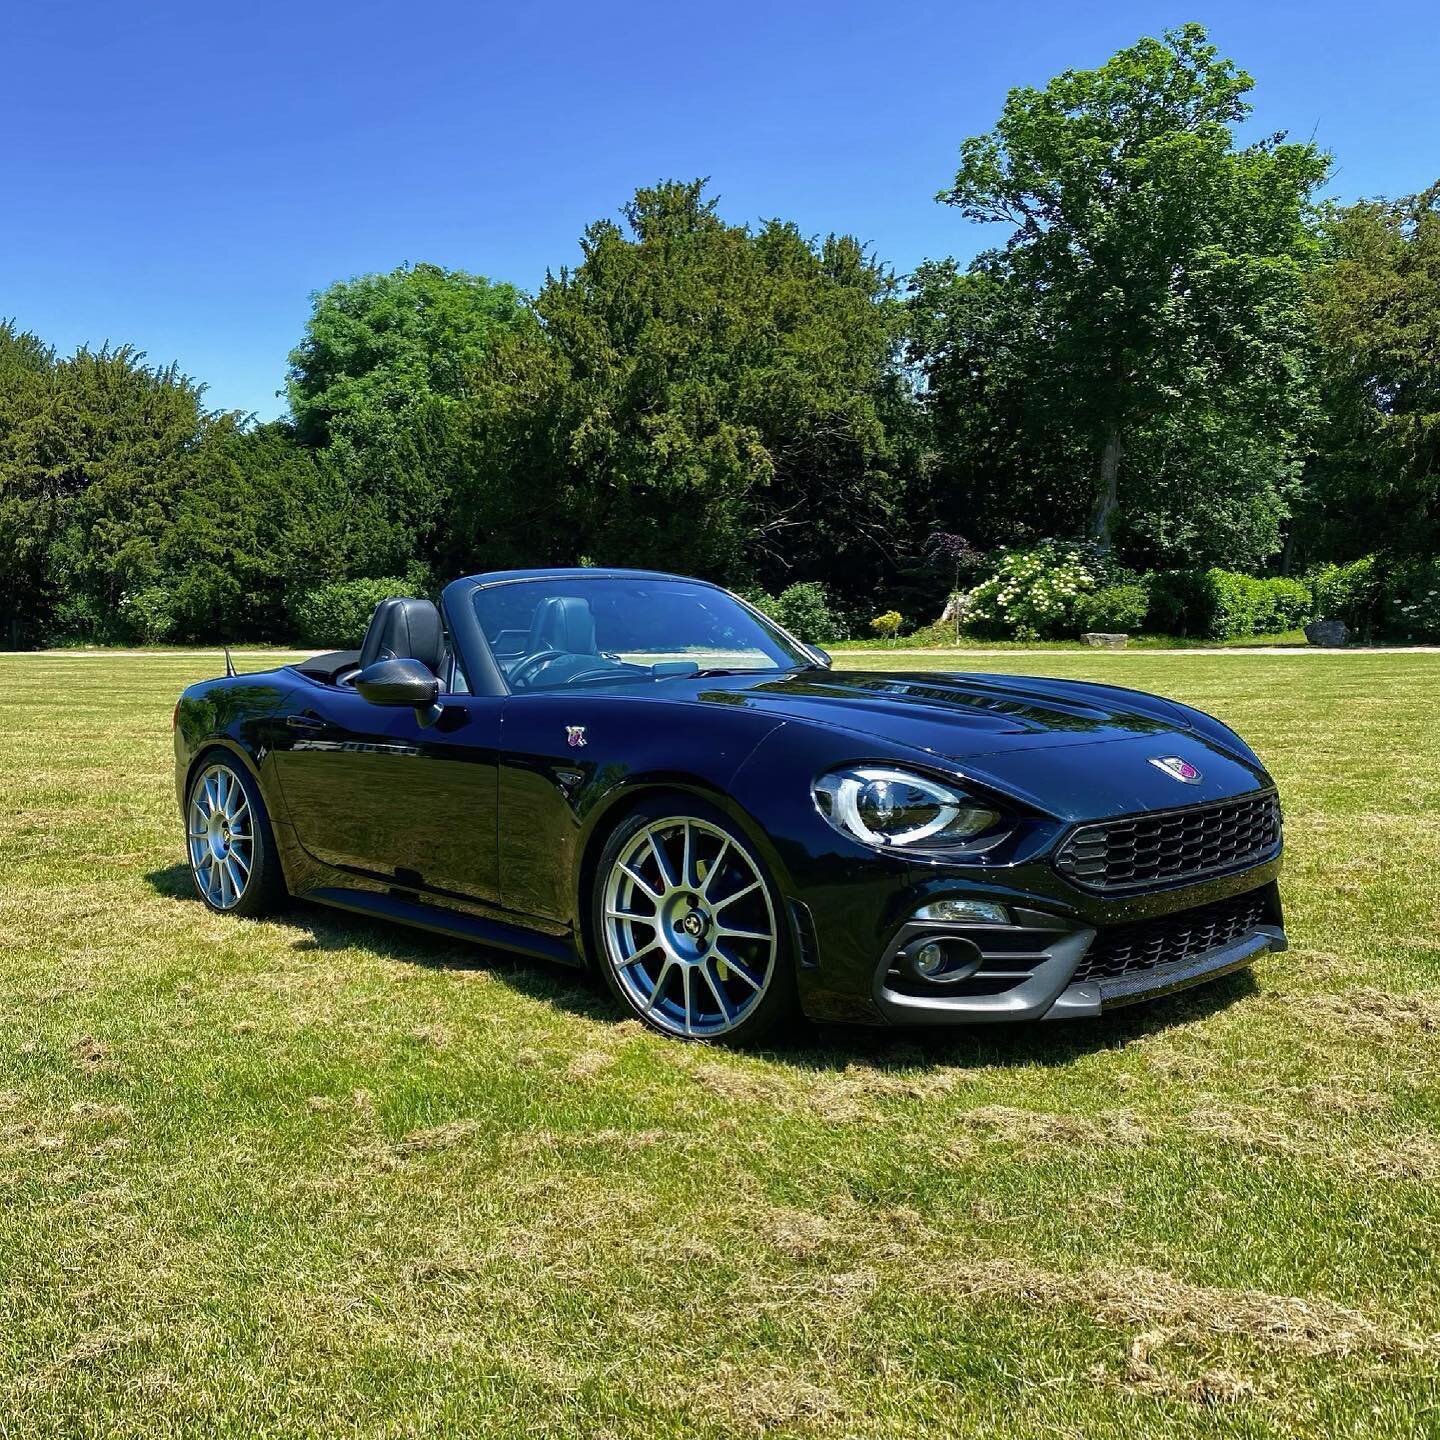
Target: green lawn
[(323, 1177)]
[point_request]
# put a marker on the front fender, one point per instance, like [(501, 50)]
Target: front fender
[(557, 800), (238, 715)]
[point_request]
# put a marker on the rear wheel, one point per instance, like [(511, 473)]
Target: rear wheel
[(690, 927), (229, 842)]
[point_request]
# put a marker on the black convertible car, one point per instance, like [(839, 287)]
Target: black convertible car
[(644, 772)]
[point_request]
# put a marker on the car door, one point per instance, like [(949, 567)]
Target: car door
[(369, 788)]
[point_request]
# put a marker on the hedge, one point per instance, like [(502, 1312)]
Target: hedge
[(1114, 608), (335, 616), (1225, 605)]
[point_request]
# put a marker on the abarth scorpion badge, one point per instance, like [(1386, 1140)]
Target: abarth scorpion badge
[(1173, 766), (575, 736)]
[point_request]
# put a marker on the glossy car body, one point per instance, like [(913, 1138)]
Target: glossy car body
[(485, 817)]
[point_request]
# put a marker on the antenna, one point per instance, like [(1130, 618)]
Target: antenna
[(229, 664)]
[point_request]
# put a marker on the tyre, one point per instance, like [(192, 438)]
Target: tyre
[(690, 929), (229, 841)]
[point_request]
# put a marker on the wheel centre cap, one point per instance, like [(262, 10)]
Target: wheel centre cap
[(695, 924)]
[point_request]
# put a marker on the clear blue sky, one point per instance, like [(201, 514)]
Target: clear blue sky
[(181, 177)]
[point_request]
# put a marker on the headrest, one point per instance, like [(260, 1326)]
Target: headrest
[(407, 630), (564, 623)]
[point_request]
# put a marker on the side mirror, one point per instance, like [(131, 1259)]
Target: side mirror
[(400, 682), (823, 656)]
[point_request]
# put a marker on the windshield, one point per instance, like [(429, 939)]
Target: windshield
[(572, 630)]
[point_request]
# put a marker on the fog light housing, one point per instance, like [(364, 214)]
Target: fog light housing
[(929, 960), (942, 959), (975, 912)]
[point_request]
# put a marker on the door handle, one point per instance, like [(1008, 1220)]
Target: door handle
[(304, 722)]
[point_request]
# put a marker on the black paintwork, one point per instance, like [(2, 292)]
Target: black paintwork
[(483, 820)]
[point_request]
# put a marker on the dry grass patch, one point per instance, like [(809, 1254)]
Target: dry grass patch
[(1376, 1014), (437, 1137), (589, 1063), (1127, 1299), (1144, 1373), (754, 1400)]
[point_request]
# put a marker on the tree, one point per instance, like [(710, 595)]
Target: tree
[(1375, 480), (378, 346), (1153, 266), (26, 519), (263, 519), (703, 396), (95, 451)]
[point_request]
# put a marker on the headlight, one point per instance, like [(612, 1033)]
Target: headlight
[(896, 808)]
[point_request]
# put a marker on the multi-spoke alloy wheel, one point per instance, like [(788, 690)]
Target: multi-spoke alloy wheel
[(689, 927), (222, 837)]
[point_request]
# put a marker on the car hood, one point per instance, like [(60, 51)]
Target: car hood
[(1023, 734), (958, 715)]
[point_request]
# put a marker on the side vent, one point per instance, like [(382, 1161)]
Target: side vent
[(807, 949)]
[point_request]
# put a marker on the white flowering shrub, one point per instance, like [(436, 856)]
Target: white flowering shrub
[(1033, 594), (1415, 612)]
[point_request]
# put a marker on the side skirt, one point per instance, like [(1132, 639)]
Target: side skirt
[(494, 933)]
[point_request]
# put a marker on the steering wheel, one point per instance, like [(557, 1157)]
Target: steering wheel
[(526, 669)]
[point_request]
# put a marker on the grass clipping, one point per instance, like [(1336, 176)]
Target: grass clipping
[(1135, 1298)]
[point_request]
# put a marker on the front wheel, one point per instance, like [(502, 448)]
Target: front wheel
[(229, 841), (691, 929)]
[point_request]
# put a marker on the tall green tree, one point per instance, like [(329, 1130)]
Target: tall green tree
[(1155, 269), (261, 520), (703, 396), (95, 451), (1375, 480), (27, 513), (377, 379), (378, 346)]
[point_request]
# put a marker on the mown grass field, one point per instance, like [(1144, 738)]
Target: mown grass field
[(320, 1177)]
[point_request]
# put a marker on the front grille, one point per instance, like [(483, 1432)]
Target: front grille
[(1171, 846), (1124, 949)]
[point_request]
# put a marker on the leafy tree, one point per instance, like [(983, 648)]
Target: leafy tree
[(1155, 270), (265, 520), (95, 451), (378, 346), (1375, 481), (26, 513), (703, 397), (376, 382)]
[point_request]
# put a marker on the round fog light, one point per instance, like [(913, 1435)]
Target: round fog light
[(929, 959)]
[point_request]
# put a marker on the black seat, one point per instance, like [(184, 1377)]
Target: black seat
[(563, 623), (405, 629)]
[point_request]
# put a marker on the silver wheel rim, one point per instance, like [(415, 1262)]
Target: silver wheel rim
[(222, 837), (689, 928)]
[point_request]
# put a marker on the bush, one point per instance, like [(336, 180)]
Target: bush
[(1290, 601), (335, 616), (887, 626), (1180, 601), (148, 615), (1224, 604), (1033, 594), (1351, 593), (802, 609), (1114, 608), (1412, 600), (1232, 605)]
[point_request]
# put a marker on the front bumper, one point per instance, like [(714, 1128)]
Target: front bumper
[(1043, 968), (1062, 956)]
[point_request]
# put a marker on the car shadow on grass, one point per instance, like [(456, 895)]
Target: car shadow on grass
[(328, 929), (892, 1051)]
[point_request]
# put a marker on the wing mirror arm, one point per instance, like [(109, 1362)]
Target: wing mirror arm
[(397, 682), (822, 656)]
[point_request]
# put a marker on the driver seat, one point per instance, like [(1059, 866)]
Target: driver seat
[(405, 629), (563, 623)]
